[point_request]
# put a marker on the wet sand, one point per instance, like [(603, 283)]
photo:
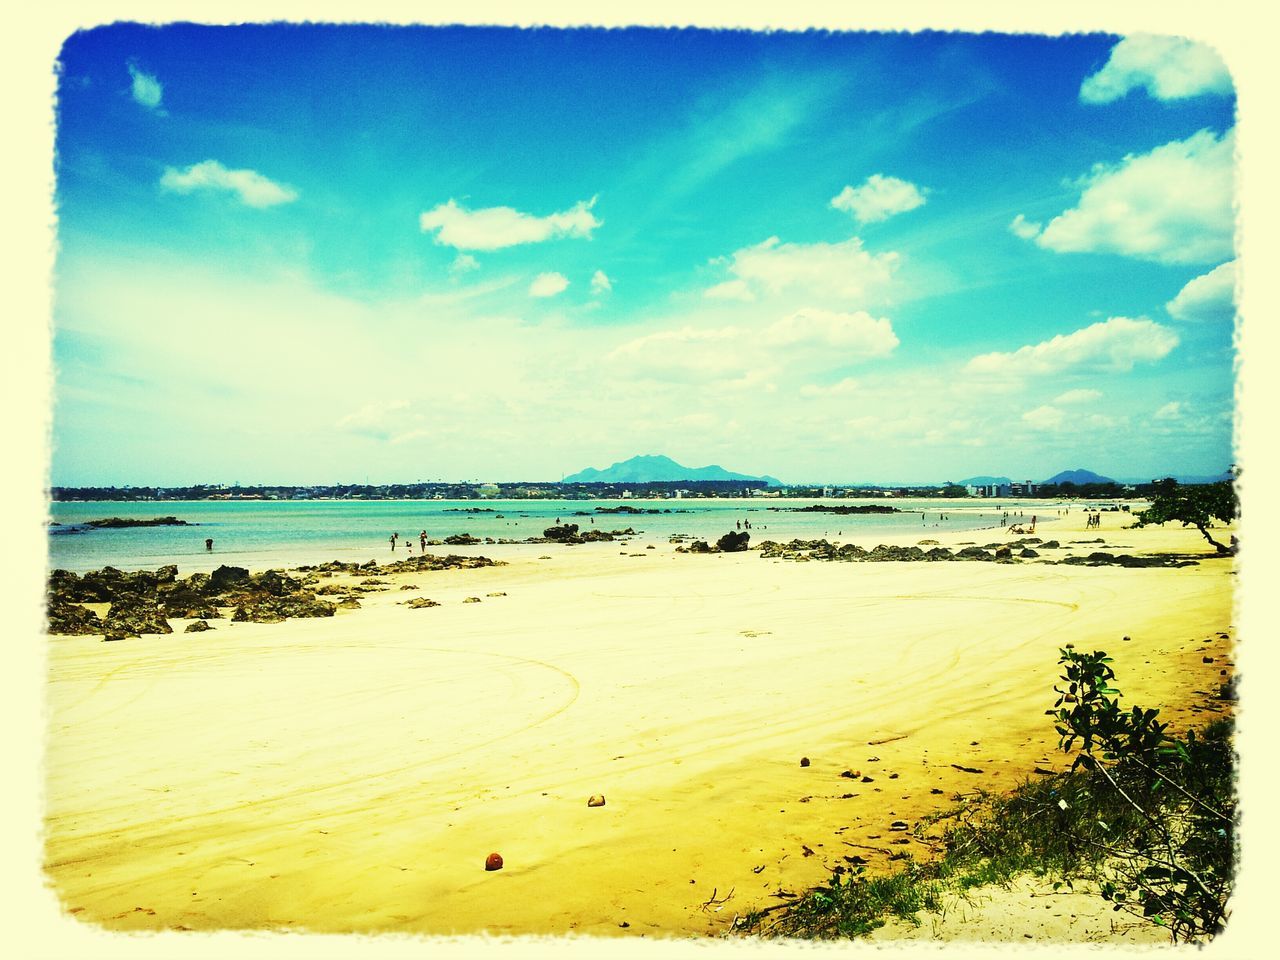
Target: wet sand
[(352, 773)]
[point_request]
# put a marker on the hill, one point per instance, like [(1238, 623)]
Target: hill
[(1078, 477), (657, 469)]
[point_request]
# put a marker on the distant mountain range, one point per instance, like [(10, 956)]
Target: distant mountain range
[(983, 481), (658, 469)]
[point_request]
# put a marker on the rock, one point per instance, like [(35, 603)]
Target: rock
[(1028, 553), (734, 541), (699, 546), (471, 600), (496, 593), (596, 800), (1004, 553), (269, 609), (225, 577), (200, 626), (132, 616), (184, 600), (421, 603), (973, 553), (566, 531), (349, 603), (898, 825), (461, 540), (493, 861), (804, 761), (69, 619)]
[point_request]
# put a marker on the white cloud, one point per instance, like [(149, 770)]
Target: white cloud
[(464, 263), (843, 270), (730, 290), (1210, 297), (1168, 68), (548, 285), (146, 89), (1024, 228), (1170, 411), (600, 282), (251, 187), (879, 198), (684, 354), (1115, 344), (493, 228), (378, 419), (841, 388), (1077, 396), (1172, 205), (858, 333), (1045, 418)]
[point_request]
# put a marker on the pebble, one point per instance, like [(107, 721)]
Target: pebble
[(493, 861), (804, 761), (596, 800)]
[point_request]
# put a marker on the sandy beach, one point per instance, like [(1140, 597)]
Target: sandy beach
[(352, 773)]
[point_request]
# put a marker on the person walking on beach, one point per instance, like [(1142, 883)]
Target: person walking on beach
[(422, 541)]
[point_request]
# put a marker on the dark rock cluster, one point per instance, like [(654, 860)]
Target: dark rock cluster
[(1012, 552), (143, 601)]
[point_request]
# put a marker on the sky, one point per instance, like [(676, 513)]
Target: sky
[(347, 254)]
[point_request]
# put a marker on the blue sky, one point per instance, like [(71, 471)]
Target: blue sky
[(317, 254)]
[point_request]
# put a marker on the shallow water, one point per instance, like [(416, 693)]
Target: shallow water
[(260, 534)]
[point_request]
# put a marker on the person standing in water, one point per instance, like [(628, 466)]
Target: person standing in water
[(393, 538), (422, 541), (208, 544)]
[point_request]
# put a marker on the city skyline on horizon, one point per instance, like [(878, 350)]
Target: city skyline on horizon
[(297, 251)]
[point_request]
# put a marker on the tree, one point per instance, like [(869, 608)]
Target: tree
[(1195, 505)]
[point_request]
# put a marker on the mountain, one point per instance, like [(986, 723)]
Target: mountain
[(1078, 477), (657, 469), (983, 481)]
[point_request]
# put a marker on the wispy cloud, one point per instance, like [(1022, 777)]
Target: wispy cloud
[(842, 270), (548, 285), (1083, 395), (1168, 68), (600, 283), (1208, 298), (493, 228), (248, 186), (377, 420), (146, 89), (1172, 205), (1115, 344), (879, 198)]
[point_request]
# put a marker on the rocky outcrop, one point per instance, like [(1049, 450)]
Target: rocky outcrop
[(199, 626), (461, 540), (734, 541), (112, 522), (561, 533), (132, 616), (71, 619)]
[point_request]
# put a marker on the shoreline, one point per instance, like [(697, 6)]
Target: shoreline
[(351, 773)]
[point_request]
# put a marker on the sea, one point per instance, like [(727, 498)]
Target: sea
[(262, 534)]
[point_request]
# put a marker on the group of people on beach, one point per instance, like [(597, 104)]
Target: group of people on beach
[(1094, 521), (408, 543)]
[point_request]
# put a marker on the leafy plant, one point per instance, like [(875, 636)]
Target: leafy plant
[(1175, 863)]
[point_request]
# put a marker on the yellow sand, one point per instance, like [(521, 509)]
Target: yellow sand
[(352, 774)]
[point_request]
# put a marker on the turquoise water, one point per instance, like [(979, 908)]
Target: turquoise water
[(261, 534)]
